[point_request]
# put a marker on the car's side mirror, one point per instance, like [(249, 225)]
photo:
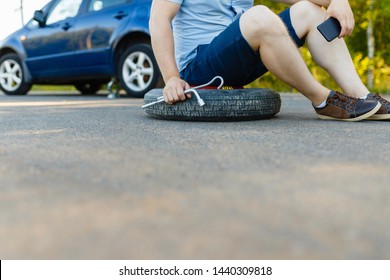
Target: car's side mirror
[(39, 16)]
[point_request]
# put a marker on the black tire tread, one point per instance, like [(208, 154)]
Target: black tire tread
[(221, 105), (88, 88)]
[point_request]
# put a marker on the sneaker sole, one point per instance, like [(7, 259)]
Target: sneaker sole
[(379, 117), (362, 117)]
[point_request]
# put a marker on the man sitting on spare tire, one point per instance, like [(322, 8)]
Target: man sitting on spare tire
[(194, 41)]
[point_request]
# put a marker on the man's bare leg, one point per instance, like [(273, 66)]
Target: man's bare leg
[(334, 57), (266, 33)]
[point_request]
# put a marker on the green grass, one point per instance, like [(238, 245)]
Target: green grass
[(53, 88)]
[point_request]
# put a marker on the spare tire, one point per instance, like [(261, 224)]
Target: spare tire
[(220, 105)]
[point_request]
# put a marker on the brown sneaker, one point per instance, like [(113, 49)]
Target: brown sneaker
[(384, 112), (345, 108)]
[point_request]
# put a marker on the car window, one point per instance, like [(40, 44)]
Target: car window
[(97, 5), (63, 9)]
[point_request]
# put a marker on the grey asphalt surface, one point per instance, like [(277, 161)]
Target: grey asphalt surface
[(92, 178)]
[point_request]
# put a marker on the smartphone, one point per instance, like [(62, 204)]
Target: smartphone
[(330, 29)]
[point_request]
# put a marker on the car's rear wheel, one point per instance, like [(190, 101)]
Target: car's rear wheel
[(138, 72), (88, 88), (12, 76)]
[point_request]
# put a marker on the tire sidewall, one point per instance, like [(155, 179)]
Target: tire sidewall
[(220, 105), (147, 50), (24, 87), (88, 88)]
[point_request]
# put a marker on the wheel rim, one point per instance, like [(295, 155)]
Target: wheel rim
[(11, 75), (138, 71)]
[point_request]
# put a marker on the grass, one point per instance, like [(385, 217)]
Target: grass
[(53, 88)]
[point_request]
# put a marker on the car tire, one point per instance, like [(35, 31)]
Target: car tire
[(220, 105), (138, 71), (12, 75), (88, 88)]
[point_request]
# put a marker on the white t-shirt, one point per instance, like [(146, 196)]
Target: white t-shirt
[(198, 22)]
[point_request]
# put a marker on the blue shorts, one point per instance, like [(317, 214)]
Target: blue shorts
[(230, 56)]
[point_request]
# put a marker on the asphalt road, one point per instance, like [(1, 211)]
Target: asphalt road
[(93, 178)]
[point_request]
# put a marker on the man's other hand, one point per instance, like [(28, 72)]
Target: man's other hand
[(341, 10)]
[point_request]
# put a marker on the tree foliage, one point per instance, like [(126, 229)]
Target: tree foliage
[(357, 44)]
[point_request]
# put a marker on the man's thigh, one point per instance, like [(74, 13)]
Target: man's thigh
[(230, 56)]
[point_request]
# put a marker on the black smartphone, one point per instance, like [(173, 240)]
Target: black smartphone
[(330, 29)]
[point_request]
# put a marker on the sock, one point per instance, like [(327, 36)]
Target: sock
[(363, 97), (322, 105)]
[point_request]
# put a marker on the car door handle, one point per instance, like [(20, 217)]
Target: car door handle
[(66, 26), (120, 15)]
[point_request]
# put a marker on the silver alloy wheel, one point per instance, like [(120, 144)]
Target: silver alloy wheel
[(11, 75), (138, 71)]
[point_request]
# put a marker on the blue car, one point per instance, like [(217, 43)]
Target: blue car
[(84, 43)]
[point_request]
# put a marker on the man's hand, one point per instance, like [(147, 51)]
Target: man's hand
[(174, 90), (341, 10)]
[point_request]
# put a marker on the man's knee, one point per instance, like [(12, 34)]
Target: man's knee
[(308, 12), (260, 20)]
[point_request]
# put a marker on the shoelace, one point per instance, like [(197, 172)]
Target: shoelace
[(382, 100), (344, 101)]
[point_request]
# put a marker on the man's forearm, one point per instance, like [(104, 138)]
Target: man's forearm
[(161, 16), (163, 48)]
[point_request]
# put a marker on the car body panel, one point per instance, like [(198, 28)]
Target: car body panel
[(93, 40), (56, 57), (50, 49), (79, 47)]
